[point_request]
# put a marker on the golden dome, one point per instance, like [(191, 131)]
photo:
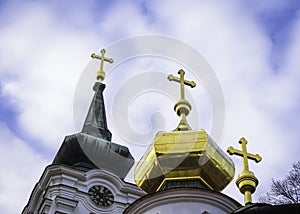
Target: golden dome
[(183, 156)]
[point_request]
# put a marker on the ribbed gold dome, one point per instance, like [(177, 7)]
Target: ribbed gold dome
[(184, 158)]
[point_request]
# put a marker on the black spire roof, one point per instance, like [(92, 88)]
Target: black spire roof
[(95, 123), (92, 147)]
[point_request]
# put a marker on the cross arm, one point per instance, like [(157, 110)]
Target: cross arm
[(232, 151), (257, 158), (95, 56), (186, 82)]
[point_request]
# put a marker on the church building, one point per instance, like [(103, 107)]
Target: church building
[(182, 171)]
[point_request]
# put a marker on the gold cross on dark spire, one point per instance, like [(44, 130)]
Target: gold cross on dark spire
[(182, 107), (246, 181), (100, 74), (182, 82)]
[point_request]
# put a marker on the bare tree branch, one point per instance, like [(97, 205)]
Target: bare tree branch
[(286, 191)]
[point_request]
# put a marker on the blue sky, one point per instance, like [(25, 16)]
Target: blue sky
[(45, 48)]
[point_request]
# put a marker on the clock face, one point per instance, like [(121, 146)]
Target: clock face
[(101, 196)]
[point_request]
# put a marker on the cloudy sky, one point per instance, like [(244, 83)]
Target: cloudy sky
[(252, 48)]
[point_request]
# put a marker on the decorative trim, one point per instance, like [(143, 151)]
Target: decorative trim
[(65, 204), (62, 188), (185, 195), (45, 207)]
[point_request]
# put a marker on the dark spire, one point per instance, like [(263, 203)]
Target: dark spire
[(92, 147), (95, 123)]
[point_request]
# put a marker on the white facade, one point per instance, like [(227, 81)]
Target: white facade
[(184, 201), (62, 189)]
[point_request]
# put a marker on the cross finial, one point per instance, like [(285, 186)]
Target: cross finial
[(182, 82), (100, 74), (246, 181), (182, 107)]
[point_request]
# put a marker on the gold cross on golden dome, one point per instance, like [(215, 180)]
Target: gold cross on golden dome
[(100, 74), (246, 180), (182, 107), (182, 82)]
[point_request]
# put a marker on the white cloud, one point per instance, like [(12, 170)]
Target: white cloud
[(21, 168), (44, 48), (45, 58), (240, 51)]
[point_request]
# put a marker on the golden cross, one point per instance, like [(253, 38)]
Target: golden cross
[(243, 153), (246, 180), (182, 82), (100, 74)]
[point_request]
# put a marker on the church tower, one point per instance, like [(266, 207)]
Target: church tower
[(87, 173), (183, 171)]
